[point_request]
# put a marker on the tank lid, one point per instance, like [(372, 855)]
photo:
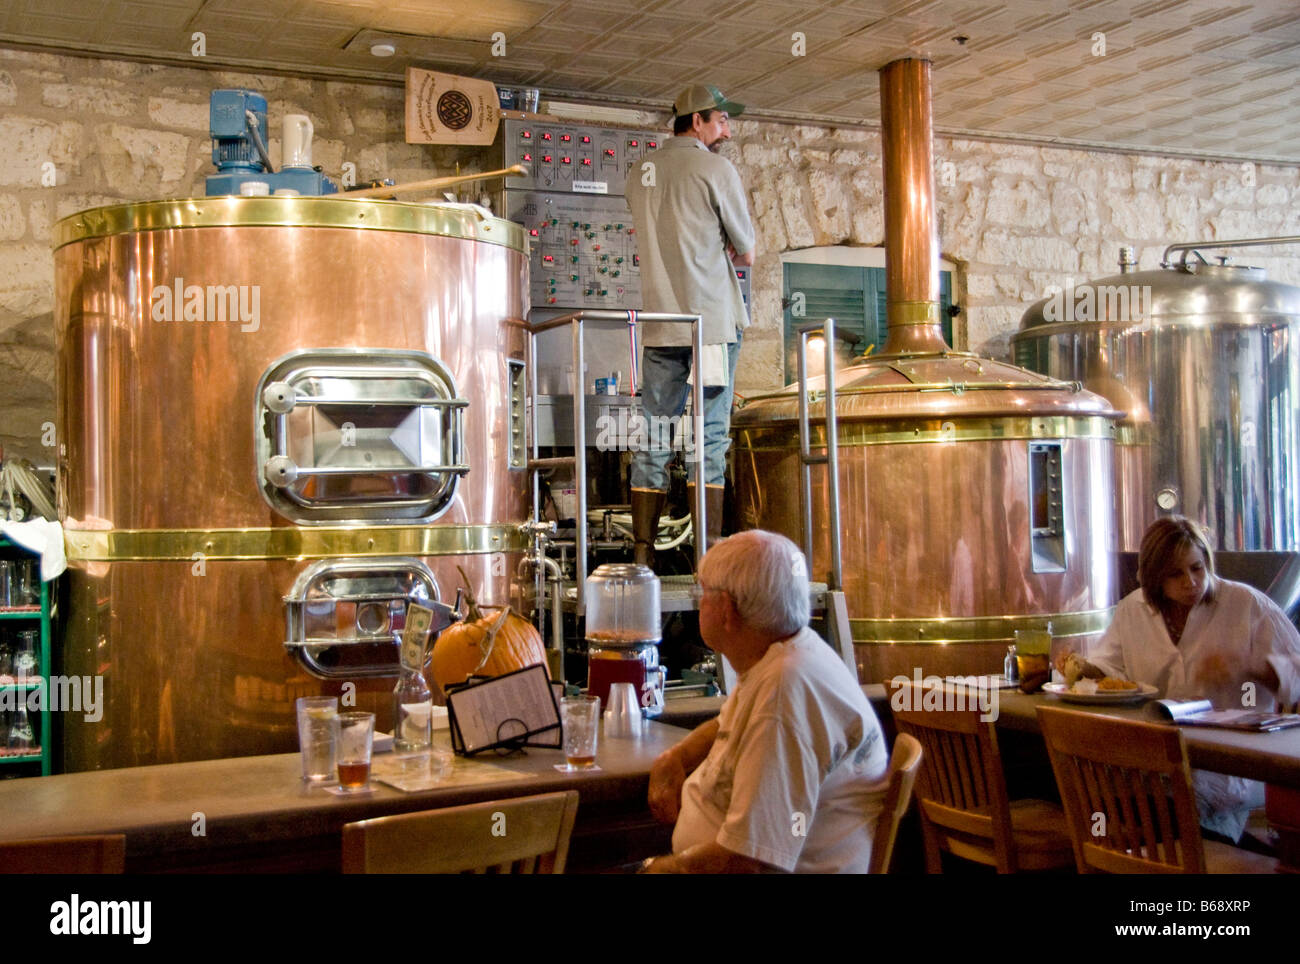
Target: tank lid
[(947, 384), (445, 220)]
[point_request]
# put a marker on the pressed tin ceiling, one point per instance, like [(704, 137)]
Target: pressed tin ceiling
[(1199, 77)]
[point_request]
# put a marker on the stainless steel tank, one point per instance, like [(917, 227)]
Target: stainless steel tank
[(280, 420), (1204, 361), (974, 497)]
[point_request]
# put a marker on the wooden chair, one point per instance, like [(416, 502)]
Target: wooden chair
[(1127, 791), (525, 835), (94, 854), (962, 793), (904, 763)]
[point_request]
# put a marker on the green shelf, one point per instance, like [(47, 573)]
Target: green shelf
[(41, 725)]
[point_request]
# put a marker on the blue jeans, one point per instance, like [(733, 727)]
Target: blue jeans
[(664, 372)]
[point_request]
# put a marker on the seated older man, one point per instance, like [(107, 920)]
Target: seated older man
[(791, 776)]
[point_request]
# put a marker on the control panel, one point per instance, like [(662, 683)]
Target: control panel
[(583, 249), (572, 157)]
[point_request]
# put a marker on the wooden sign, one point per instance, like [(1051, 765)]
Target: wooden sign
[(446, 109)]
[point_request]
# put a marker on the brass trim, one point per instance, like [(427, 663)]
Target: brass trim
[(912, 312), (895, 388), (929, 431), (151, 545), (309, 212), (983, 629)]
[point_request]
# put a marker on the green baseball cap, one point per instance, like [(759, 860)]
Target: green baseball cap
[(700, 97)]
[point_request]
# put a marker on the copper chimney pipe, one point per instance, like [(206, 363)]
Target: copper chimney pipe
[(911, 229)]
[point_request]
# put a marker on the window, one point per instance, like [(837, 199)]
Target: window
[(847, 284)]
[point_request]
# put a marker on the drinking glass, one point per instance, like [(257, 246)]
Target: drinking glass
[(580, 716), (354, 735), (1033, 652), (316, 735)]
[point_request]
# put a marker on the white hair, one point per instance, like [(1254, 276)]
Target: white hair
[(766, 576)]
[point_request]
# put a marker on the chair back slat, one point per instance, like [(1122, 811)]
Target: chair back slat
[(521, 835), (904, 763), (961, 788), (1126, 787)]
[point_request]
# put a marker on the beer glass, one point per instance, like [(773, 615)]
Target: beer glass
[(580, 716), (354, 735)]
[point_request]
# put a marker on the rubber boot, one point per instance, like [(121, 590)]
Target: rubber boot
[(646, 506), (713, 509)]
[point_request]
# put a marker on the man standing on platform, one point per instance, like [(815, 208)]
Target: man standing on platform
[(792, 775), (693, 229)]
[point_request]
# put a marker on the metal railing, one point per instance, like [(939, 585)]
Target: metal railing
[(578, 461)]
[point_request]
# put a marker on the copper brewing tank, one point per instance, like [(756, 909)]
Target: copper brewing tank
[(224, 480), (974, 496)]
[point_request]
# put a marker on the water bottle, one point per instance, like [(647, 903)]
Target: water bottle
[(412, 712)]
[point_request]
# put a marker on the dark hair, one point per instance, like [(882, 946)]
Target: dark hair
[(1162, 543), (683, 124)]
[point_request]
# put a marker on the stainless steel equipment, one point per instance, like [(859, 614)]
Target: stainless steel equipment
[(280, 421), (1203, 360), (973, 496)]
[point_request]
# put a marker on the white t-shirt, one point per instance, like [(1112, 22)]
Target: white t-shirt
[(797, 774), (1242, 628)]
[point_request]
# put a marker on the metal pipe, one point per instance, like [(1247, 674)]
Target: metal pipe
[(433, 184), (1240, 243), (697, 427), (911, 228), (832, 461)]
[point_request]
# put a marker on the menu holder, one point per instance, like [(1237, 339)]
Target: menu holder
[(505, 712)]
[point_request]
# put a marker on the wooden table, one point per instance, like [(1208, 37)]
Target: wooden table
[(257, 815), (1270, 757)]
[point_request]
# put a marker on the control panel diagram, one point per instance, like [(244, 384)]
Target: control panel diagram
[(583, 249)]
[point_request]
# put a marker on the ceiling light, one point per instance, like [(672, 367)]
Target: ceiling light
[(383, 49)]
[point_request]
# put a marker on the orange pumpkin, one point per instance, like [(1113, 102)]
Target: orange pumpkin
[(485, 645)]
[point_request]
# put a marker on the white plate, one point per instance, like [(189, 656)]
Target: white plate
[(1144, 692)]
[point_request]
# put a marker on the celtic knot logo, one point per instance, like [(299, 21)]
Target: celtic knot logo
[(455, 110)]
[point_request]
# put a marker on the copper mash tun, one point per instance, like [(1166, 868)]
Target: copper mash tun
[(287, 418), (974, 496)]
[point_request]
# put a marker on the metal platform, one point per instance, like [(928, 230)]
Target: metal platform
[(676, 595)]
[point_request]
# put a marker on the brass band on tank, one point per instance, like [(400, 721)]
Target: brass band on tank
[(295, 212), (982, 629), (145, 545), (930, 431)]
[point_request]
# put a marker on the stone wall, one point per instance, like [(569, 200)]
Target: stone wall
[(1014, 218)]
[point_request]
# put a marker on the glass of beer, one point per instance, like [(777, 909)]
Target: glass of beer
[(354, 735), (580, 716), (1033, 654)]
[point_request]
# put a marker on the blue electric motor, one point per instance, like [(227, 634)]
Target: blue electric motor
[(237, 119)]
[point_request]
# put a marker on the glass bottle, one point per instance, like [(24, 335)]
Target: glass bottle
[(412, 712), (25, 654), (412, 702), (20, 729)]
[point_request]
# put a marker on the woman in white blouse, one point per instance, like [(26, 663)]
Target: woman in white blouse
[(1196, 636)]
